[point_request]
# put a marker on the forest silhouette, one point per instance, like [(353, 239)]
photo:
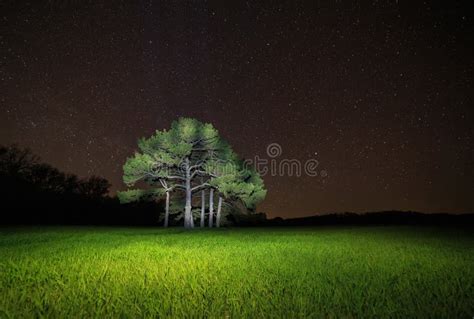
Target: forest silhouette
[(36, 193)]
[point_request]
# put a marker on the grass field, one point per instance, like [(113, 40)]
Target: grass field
[(233, 273)]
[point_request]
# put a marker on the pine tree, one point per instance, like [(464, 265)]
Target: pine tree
[(174, 160)]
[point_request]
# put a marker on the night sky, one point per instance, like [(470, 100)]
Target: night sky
[(380, 92)]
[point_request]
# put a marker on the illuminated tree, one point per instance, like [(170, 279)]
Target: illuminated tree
[(232, 180), (236, 183), (176, 156), (191, 157)]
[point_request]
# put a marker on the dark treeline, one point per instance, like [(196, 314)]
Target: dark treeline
[(377, 218), (37, 193)]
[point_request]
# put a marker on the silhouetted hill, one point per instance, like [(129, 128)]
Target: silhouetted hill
[(377, 218)]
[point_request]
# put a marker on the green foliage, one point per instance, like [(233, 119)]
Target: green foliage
[(367, 272), (140, 166), (135, 195), (213, 160), (161, 154), (255, 191), (235, 182)]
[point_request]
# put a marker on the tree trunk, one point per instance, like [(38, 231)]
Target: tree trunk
[(167, 212), (187, 208), (211, 207), (218, 216), (203, 207)]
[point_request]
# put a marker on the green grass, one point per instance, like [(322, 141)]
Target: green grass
[(365, 272)]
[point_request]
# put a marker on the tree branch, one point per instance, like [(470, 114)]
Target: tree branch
[(195, 166), (199, 187), (176, 177), (202, 173)]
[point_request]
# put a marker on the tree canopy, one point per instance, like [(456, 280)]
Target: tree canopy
[(188, 158)]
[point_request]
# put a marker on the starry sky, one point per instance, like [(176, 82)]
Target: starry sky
[(379, 92)]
